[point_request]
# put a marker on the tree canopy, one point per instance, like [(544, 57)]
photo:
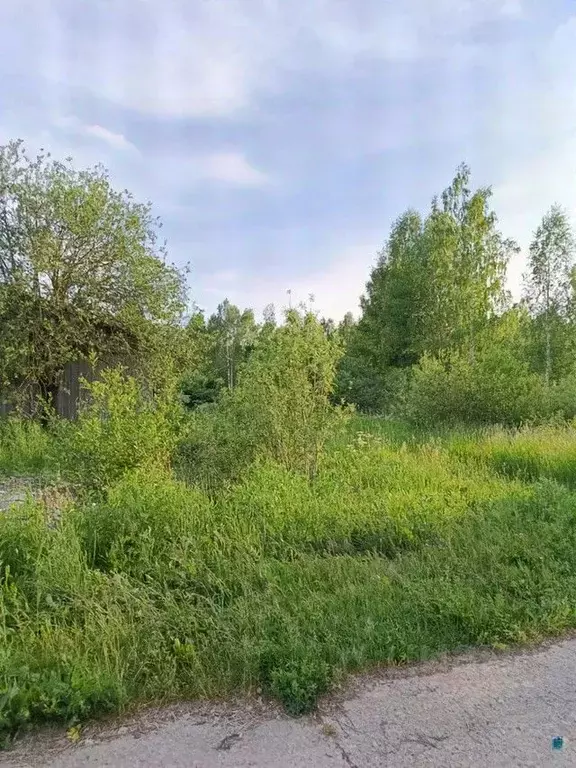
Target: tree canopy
[(81, 269)]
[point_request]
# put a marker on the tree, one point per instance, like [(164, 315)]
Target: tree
[(269, 315), (548, 284), (81, 272), (201, 383), (235, 334), (281, 406), (389, 329), (464, 267), (329, 326), (437, 284), (346, 326)]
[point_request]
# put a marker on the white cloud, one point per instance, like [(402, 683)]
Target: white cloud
[(73, 125), (210, 58), (542, 170), (116, 140), (174, 172), (513, 8), (225, 276), (230, 168)]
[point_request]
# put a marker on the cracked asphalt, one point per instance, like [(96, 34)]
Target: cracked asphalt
[(483, 709)]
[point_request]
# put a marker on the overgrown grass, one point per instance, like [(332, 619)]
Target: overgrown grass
[(529, 454), (391, 553), (25, 448)]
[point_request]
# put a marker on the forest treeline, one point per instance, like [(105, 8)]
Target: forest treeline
[(83, 276), (439, 337)]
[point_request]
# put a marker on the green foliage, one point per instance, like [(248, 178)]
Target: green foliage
[(390, 329), (398, 549), (366, 497), (148, 526), (80, 270), (298, 683), (25, 448), (531, 454), (233, 335), (548, 289), (436, 288), (120, 427), (279, 409), (466, 260), (493, 386), (200, 389)]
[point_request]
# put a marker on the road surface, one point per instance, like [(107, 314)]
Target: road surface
[(482, 709)]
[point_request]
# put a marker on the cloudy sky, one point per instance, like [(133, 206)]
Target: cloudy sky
[(278, 139)]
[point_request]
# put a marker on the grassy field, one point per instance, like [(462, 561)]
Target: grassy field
[(406, 544)]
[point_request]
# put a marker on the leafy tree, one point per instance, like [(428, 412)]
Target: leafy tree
[(81, 271), (548, 287), (280, 408), (269, 315), (330, 327), (358, 382), (389, 330), (438, 281), (201, 383), (436, 286), (234, 334), (346, 326), (465, 267)]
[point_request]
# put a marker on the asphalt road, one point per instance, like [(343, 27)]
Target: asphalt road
[(484, 709)]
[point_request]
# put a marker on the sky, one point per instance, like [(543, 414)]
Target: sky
[(279, 139)]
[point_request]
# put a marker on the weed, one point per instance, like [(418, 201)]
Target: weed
[(25, 448), (401, 546)]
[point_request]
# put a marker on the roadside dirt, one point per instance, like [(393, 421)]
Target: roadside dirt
[(478, 709)]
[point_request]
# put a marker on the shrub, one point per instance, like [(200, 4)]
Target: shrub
[(298, 683), (280, 409), (491, 390), (561, 398), (488, 381), (120, 427)]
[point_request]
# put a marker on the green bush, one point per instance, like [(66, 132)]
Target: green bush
[(561, 399), (485, 382), (281, 408), (298, 683), (491, 390), (120, 427)]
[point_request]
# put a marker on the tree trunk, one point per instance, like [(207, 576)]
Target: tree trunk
[(548, 353)]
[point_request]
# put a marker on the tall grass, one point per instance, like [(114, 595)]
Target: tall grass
[(397, 549), (529, 454), (25, 448)]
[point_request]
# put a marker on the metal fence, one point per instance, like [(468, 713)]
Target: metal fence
[(70, 393)]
